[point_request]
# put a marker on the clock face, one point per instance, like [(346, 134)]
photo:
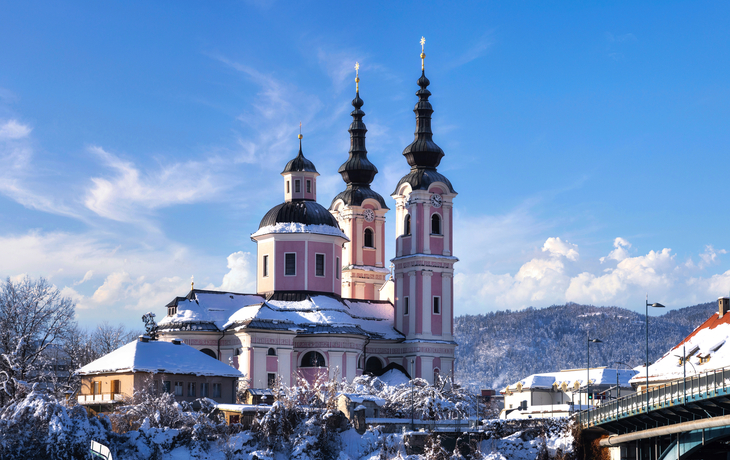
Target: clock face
[(369, 215), (436, 200)]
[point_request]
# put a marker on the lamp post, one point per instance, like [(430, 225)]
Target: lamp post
[(618, 388), (684, 371), (588, 372), (656, 305)]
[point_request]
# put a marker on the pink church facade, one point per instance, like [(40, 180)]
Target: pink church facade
[(326, 305)]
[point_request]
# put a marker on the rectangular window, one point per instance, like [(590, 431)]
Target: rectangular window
[(265, 266), (309, 186), (337, 268), (116, 386), (405, 305), (271, 381), (296, 186), (191, 389), (166, 386), (97, 388), (287, 187), (216, 390), (319, 264), (156, 387), (290, 264), (437, 305), (203, 390), (178, 388)]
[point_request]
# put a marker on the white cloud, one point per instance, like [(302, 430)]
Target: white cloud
[(242, 273), (620, 253), (557, 247), (87, 277), (130, 194), (709, 257), (11, 129)]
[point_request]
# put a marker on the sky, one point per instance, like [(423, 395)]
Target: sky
[(141, 142)]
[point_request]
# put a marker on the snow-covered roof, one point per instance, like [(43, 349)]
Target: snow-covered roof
[(316, 314), (394, 377), (159, 357), (295, 227), (360, 398), (599, 376), (708, 343)]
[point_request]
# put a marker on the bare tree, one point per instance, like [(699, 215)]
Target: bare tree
[(33, 315), (107, 338)]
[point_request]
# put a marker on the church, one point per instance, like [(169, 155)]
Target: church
[(326, 305)]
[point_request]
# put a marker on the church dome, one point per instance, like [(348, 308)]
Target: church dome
[(299, 163), (305, 212)]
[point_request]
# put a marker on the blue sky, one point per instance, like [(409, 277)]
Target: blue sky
[(142, 143)]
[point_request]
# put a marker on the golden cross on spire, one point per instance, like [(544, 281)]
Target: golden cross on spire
[(192, 283), (300, 130), (423, 54), (357, 77)]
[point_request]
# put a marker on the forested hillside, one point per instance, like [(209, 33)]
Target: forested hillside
[(502, 347)]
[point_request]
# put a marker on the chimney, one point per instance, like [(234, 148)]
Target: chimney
[(723, 303), (176, 341), (143, 338)]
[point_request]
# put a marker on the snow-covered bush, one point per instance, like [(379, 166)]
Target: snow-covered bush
[(41, 427)]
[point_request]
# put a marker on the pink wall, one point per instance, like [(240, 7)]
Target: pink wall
[(321, 283), (436, 290), (406, 293), (289, 282), (437, 364), (310, 374), (272, 364)]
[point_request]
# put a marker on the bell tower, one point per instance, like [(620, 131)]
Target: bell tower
[(424, 262), (360, 212)]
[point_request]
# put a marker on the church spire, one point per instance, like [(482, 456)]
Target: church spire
[(357, 170), (423, 152)]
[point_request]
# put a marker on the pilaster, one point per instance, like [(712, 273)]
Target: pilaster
[(446, 313), (426, 228), (426, 302)]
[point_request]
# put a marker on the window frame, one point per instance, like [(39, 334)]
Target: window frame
[(295, 264), (270, 350), (437, 217), (407, 225), (337, 268), (406, 306), (271, 380), (217, 390), (316, 264), (365, 233), (297, 186), (324, 360), (204, 390), (167, 386), (436, 304), (191, 389), (287, 187), (181, 387), (265, 269), (309, 186)]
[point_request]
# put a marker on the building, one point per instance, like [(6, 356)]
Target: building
[(558, 394), (157, 366), (702, 351), (323, 307)]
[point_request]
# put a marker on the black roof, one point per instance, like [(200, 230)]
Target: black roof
[(299, 163), (354, 195), (306, 212), (422, 178)]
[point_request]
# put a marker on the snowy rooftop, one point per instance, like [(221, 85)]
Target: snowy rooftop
[(706, 349), (599, 376), (295, 227), (315, 314), (159, 357)]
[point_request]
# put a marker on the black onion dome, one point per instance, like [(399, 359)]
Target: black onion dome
[(299, 163), (354, 195), (299, 211), (423, 152), (422, 178), (357, 169)]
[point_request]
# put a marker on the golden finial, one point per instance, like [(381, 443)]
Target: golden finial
[(423, 54), (300, 130), (357, 77), (192, 283)]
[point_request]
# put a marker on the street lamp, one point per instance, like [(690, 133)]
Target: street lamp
[(657, 305), (684, 369), (588, 371)]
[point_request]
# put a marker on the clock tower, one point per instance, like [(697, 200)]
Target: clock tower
[(360, 212), (424, 262)]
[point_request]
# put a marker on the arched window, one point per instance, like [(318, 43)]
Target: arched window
[(373, 364), (369, 238), (313, 359), (407, 225), (209, 352), (436, 224), (271, 352)]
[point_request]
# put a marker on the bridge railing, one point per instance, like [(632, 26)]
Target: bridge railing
[(699, 386)]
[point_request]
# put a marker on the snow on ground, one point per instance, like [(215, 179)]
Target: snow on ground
[(394, 378)]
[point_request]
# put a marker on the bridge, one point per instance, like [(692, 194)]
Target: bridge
[(685, 419)]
